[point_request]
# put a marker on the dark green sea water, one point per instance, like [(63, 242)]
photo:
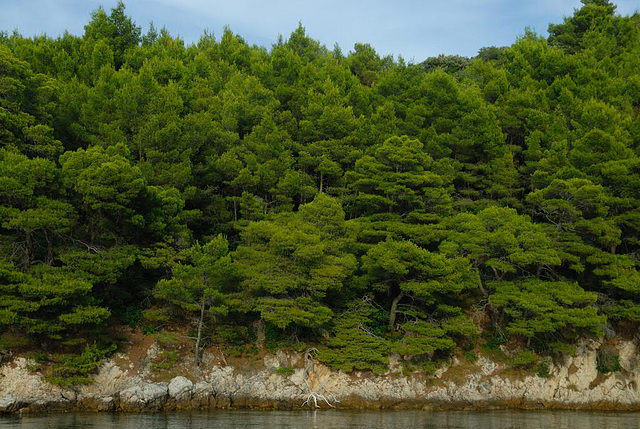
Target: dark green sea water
[(332, 419)]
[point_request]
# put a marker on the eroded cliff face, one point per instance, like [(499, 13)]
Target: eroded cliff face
[(124, 385)]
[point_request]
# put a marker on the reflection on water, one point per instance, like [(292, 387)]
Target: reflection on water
[(333, 419)]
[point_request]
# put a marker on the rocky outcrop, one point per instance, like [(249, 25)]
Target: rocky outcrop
[(146, 397), (573, 382), (11, 404), (180, 389)]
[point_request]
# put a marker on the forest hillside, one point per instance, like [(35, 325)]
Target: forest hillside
[(299, 196)]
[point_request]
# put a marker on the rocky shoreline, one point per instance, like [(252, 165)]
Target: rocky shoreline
[(124, 386)]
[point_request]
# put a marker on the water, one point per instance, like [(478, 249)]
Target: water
[(332, 419)]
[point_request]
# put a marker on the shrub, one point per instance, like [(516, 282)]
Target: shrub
[(525, 358), (354, 345), (165, 360), (40, 357), (494, 339), (153, 319), (233, 335), (607, 362), (167, 339), (13, 341), (544, 368), (470, 357), (70, 369), (562, 348), (285, 370), (131, 316)]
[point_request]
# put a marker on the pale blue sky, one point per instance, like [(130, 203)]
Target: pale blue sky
[(412, 28)]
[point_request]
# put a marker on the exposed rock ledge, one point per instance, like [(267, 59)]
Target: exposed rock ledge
[(120, 386)]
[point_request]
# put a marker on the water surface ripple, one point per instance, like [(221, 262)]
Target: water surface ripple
[(332, 419)]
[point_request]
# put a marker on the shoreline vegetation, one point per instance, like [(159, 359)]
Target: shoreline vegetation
[(375, 216)]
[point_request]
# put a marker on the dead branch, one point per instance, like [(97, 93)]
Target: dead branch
[(316, 397)]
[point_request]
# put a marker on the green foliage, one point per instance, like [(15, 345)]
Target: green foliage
[(607, 362), (422, 338), (119, 32), (494, 339), (398, 177), (470, 357), (543, 368), (13, 341), (417, 271), (49, 302), (131, 316), (570, 35), (291, 262), (500, 242), (153, 319), (299, 311), (165, 360), (448, 63), (40, 357), (167, 339), (353, 345), (246, 350), (277, 339), (197, 289), (524, 358), (233, 334), (75, 369), (285, 371), (198, 286), (536, 307), (362, 204)]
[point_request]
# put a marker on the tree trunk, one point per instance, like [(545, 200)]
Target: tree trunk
[(27, 249), (321, 177), (394, 309), (495, 273), (261, 335), (49, 259), (199, 335), (484, 290)]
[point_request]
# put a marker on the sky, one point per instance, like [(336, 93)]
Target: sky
[(413, 29)]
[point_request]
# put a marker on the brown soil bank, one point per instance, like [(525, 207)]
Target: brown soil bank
[(287, 380)]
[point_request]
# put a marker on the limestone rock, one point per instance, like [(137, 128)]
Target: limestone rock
[(180, 389), (16, 380), (573, 382), (151, 396), (10, 404), (102, 404)]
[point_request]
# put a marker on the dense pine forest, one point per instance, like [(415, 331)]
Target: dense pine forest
[(297, 196)]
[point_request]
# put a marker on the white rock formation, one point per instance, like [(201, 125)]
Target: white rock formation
[(573, 383)]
